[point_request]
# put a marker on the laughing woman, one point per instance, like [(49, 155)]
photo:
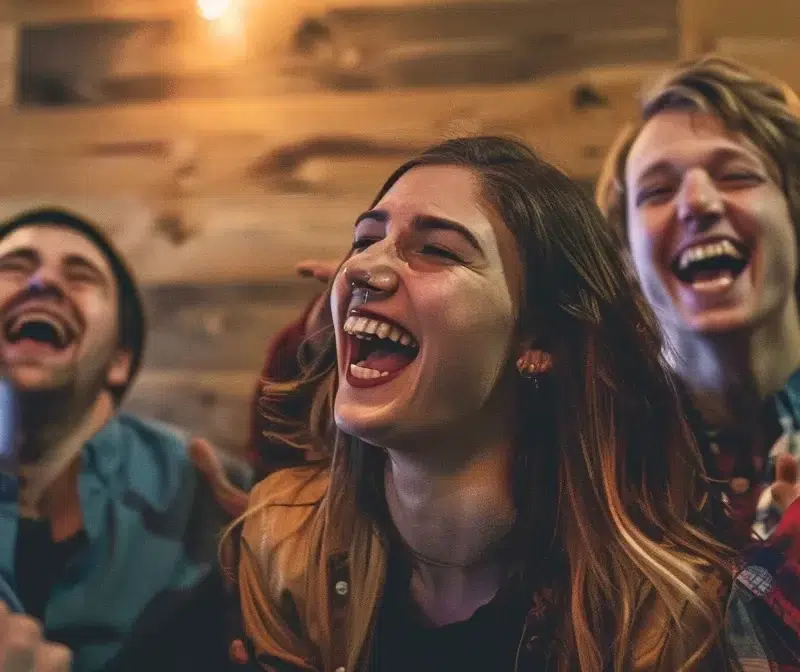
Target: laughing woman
[(512, 485)]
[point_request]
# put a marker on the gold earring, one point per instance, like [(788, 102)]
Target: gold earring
[(532, 365)]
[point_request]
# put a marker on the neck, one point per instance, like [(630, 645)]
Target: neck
[(49, 461), (453, 516), (737, 370)]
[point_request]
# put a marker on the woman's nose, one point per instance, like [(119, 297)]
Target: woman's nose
[(380, 279)]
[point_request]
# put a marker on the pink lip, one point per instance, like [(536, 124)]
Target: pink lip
[(27, 351), (42, 307)]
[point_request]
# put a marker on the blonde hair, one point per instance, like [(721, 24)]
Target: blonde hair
[(762, 108), (608, 481)]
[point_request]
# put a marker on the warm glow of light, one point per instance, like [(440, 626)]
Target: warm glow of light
[(212, 10)]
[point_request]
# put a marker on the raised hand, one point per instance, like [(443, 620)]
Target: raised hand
[(786, 488), (778, 497), (314, 268), (22, 648), (206, 460)]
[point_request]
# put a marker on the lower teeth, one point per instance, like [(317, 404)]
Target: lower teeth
[(365, 373), (720, 282)]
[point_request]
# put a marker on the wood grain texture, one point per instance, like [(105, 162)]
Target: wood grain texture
[(241, 190), (47, 12), (231, 239), (215, 407), (703, 23), (205, 352), (219, 327), (415, 116)]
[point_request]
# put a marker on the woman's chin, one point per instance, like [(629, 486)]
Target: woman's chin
[(367, 424), (384, 425)]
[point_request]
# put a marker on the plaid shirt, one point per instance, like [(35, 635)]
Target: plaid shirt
[(763, 624), (763, 620)]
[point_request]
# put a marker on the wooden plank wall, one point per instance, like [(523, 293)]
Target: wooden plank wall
[(205, 352), (214, 197)]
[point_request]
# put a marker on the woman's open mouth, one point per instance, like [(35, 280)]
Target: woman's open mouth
[(711, 266), (378, 350)]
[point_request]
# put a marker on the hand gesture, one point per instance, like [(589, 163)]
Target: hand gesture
[(778, 497), (321, 270), (786, 488), (22, 648), (206, 459)]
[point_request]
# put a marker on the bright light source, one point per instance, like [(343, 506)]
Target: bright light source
[(211, 10)]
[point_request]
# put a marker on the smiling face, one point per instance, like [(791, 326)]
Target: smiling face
[(58, 312), (709, 225), (423, 310)]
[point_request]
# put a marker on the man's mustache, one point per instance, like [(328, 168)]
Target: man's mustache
[(48, 295)]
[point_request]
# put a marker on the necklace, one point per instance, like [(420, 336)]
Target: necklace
[(425, 560), (492, 550)]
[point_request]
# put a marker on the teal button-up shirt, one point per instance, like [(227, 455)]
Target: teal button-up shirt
[(151, 528)]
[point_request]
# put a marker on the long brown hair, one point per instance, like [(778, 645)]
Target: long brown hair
[(607, 476)]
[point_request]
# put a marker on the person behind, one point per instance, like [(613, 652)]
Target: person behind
[(705, 189), (107, 527), (289, 351), (513, 484)]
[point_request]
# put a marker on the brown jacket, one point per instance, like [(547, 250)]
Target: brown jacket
[(309, 600)]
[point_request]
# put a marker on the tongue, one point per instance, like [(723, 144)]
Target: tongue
[(35, 344), (717, 279), (388, 361), (701, 277)]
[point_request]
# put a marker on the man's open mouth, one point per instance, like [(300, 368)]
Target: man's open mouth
[(710, 266), (378, 349), (39, 327)]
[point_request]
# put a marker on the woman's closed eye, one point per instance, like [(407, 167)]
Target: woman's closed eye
[(363, 243), (437, 251)]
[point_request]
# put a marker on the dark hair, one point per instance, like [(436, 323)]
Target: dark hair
[(130, 307), (606, 465)]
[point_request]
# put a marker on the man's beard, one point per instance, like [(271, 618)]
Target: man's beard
[(47, 413)]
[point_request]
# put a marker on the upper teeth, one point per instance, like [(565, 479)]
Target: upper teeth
[(27, 318), (365, 327), (717, 249)]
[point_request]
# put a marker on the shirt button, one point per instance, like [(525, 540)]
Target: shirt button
[(341, 588)]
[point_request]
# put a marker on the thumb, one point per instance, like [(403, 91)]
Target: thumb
[(314, 268), (785, 489), (786, 469), (207, 461), (305, 269)]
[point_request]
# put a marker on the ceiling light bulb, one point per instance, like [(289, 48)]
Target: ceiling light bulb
[(211, 10)]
